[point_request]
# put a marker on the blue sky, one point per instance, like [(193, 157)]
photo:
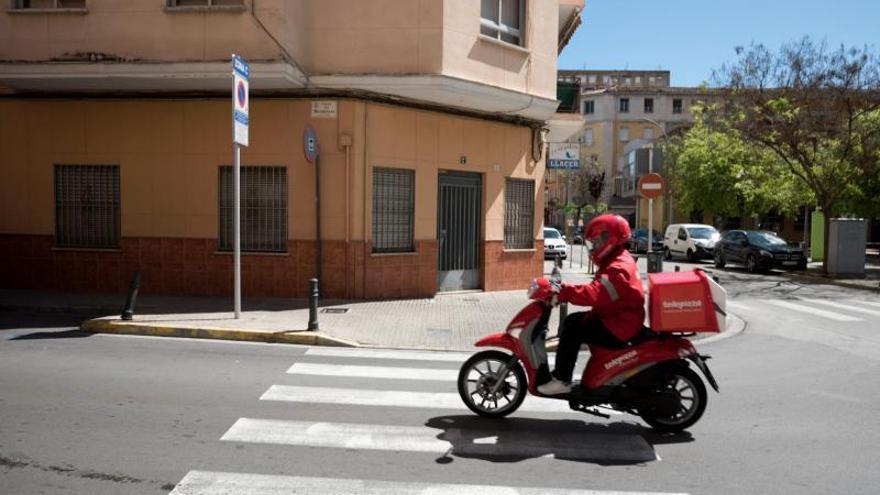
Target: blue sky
[(692, 37)]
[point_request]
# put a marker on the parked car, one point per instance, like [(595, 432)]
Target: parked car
[(695, 241), (758, 250), (638, 242), (554, 244)]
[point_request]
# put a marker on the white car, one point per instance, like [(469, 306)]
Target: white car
[(554, 244), (694, 241)]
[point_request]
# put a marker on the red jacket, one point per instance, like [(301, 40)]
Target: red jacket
[(616, 296)]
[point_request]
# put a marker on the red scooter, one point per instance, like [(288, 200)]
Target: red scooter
[(648, 376)]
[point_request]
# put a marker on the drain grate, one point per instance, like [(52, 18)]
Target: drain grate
[(335, 311)]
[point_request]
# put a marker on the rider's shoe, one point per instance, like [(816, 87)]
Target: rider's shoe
[(554, 387)]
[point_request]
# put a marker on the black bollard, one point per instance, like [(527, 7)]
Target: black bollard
[(313, 304), (677, 268), (128, 310)]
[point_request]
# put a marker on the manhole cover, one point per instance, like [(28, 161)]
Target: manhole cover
[(337, 311)]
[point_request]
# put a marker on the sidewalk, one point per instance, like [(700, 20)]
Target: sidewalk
[(451, 321)]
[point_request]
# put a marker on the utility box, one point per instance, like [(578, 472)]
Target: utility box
[(847, 238)]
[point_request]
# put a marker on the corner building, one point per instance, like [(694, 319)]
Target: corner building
[(116, 144)]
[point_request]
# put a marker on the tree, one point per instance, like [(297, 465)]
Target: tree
[(715, 170), (813, 108), (588, 183)]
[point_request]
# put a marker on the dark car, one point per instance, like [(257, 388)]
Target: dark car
[(578, 236), (638, 242), (758, 250)]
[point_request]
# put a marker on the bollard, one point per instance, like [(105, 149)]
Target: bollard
[(128, 310), (677, 268), (313, 304)]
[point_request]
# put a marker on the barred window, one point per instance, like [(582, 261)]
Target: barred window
[(519, 214), (87, 206), (393, 210), (48, 4), (263, 209)]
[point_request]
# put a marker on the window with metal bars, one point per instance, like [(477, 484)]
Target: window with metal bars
[(393, 210), (519, 214), (87, 206), (263, 209)]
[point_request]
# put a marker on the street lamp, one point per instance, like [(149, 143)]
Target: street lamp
[(650, 247)]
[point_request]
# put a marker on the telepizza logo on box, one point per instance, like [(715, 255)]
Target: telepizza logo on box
[(681, 306)]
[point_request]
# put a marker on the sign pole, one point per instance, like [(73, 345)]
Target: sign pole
[(236, 184), (240, 121)]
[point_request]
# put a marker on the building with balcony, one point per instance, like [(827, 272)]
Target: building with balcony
[(116, 129), (623, 114)]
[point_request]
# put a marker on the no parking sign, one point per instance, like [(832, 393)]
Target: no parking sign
[(240, 100)]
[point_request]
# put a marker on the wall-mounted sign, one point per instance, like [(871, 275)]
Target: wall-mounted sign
[(565, 156), (323, 109), (241, 73), (310, 143)]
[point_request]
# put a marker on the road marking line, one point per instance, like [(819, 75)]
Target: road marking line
[(373, 372), (385, 354), (813, 311), (449, 436), (224, 483), (739, 305), (388, 354), (844, 306), (877, 304), (393, 398)]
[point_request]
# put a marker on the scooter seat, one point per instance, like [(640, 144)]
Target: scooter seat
[(645, 334)]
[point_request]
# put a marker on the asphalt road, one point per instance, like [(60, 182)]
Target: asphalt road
[(102, 414)]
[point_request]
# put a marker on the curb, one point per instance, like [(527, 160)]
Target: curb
[(288, 337)]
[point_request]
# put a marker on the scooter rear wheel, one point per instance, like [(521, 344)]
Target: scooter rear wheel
[(478, 376), (692, 397)]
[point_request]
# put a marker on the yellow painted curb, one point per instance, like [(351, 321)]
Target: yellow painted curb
[(288, 337)]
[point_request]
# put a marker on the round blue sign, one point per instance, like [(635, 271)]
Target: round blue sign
[(310, 144), (241, 93)]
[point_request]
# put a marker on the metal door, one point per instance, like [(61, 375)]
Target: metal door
[(459, 208)]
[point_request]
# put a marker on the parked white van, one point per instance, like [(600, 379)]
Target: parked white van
[(694, 241)]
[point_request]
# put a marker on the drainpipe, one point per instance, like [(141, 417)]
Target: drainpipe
[(345, 141)]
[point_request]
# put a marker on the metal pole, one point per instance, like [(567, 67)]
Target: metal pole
[(650, 247), (236, 184), (318, 216)]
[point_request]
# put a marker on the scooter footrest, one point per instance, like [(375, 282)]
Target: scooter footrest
[(587, 409)]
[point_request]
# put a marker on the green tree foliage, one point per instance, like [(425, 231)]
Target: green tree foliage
[(716, 170)]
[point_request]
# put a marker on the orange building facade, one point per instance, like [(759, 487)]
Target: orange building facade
[(430, 164)]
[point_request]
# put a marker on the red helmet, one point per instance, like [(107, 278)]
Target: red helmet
[(607, 234)]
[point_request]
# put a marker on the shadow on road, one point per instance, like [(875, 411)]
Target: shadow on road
[(64, 334), (518, 439)]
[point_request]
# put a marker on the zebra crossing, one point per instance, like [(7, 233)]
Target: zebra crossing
[(827, 310), (444, 427)]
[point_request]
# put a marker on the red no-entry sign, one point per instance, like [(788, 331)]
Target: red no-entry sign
[(652, 185)]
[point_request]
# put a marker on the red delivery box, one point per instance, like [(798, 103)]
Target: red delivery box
[(686, 302)]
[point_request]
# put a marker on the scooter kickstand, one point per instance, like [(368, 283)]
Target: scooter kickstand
[(589, 410)]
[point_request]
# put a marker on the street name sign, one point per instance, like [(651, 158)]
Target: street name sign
[(565, 156), (240, 100)]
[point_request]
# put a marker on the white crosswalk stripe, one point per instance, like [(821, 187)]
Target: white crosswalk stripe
[(395, 398), (373, 372), (846, 307), (457, 357), (569, 444), (225, 483), (801, 308)]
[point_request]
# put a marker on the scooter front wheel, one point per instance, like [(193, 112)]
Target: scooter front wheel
[(487, 393)]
